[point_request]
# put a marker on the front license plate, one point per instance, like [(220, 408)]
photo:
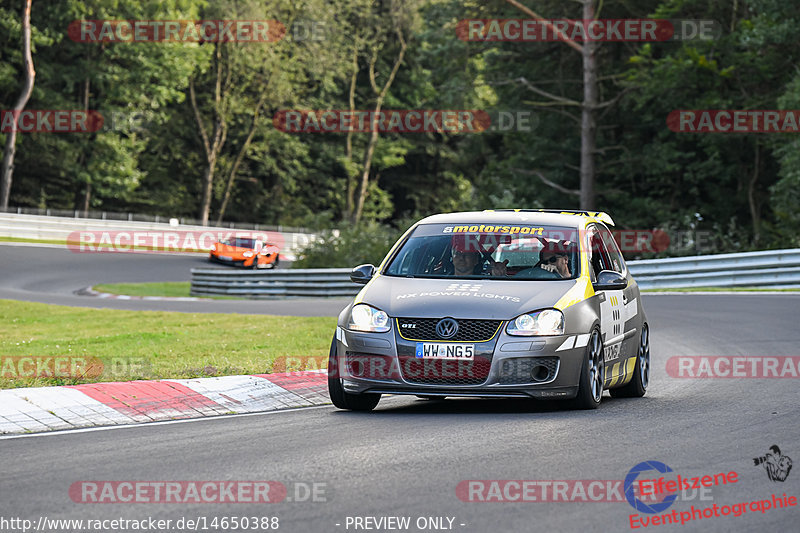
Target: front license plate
[(430, 350), (226, 258)]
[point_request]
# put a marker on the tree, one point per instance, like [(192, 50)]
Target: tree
[(118, 80), (7, 166), (589, 105), (376, 34), (246, 81)]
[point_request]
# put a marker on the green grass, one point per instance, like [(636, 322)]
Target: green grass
[(169, 288), (42, 241), (154, 344), (722, 289)]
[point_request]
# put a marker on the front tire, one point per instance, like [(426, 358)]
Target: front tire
[(342, 399), (592, 379), (641, 372)]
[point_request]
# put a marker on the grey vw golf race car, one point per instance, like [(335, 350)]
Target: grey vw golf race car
[(507, 303)]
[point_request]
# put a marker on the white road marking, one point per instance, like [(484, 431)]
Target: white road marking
[(159, 423)]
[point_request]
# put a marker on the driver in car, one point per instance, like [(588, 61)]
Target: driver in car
[(467, 261), (553, 258)]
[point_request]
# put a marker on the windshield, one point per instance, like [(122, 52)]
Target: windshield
[(240, 243), (517, 252)]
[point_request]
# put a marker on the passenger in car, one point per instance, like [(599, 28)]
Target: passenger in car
[(553, 263)]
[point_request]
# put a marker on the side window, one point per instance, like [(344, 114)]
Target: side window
[(616, 262), (598, 257)]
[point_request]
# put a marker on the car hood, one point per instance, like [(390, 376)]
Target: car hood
[(478, 298)]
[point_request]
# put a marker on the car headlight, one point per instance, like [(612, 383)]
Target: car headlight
[(213, 248), (366, 318), (248, 254), (545, 322)]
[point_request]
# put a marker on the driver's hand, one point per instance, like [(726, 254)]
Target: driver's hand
[(549, 267), (500, 269)]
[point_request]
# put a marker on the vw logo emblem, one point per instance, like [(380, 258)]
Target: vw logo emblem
[(447, 328)]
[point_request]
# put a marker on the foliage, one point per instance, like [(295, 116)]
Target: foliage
[(367, 242)]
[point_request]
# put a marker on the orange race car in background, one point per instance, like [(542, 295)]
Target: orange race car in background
[(248, 253)]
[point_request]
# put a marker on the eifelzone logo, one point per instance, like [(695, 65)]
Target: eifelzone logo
[(776, 464)]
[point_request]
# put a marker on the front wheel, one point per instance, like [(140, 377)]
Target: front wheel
[(641, 372), (342, 399), (590, 385)]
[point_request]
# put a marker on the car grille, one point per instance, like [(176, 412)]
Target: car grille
[(424, 329), (445, 371), (520, 370)]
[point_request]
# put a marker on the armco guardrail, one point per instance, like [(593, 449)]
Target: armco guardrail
[(776, 269), (318, 282), (770, 269), (42, 227), (111, 216)]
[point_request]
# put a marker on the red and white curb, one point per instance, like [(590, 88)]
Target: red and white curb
[(131, 402), (89, 291)]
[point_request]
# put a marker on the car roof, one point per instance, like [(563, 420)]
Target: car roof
[(554, 217)]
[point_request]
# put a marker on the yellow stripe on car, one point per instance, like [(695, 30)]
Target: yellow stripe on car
[(630, 364), (582, 290), (615, 374)]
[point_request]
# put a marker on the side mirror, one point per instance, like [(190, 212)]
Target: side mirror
[(362, 274), (608, 280)]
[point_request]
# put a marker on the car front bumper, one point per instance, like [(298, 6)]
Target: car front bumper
[(232, 261), (503, 367)]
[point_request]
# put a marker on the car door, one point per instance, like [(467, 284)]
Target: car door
[(613, 310), (631, 311)]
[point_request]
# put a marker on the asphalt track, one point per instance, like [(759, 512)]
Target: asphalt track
[(53, 274), (407, 457)]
